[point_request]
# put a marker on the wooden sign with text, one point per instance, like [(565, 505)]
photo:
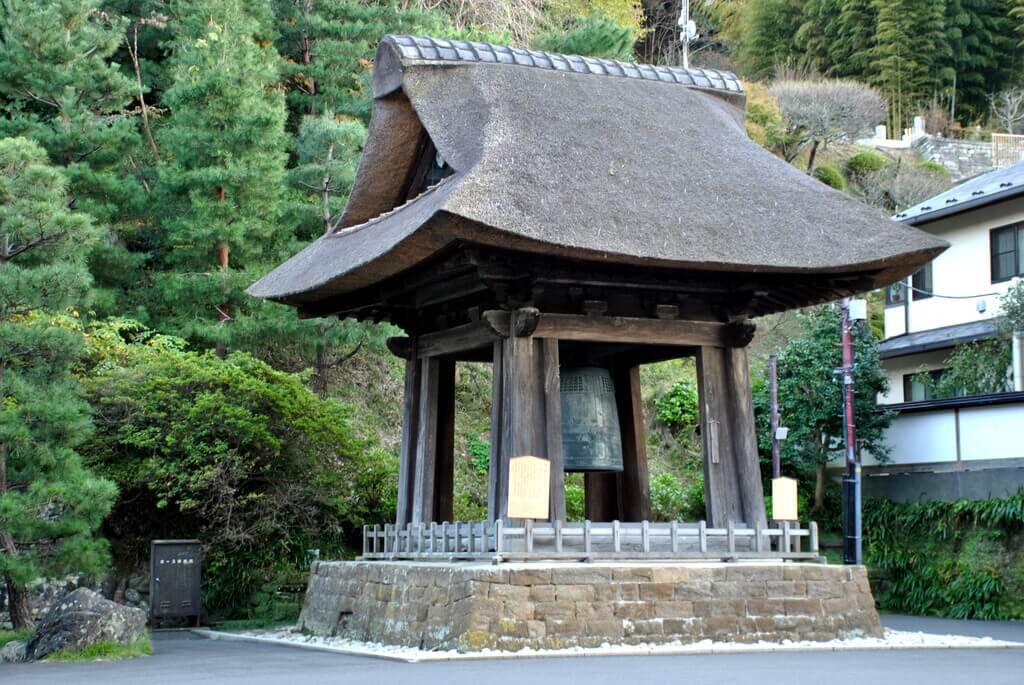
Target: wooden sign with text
[(528, 486)]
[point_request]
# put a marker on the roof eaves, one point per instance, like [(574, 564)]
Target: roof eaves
[(953, 208)]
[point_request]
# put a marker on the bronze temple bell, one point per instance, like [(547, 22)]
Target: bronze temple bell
[(591, 437)]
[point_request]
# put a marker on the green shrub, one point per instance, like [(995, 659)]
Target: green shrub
[(864, 163), (673, 500), (480, 454), (934, 167), (958, 559), (230, 451), (105, 651), (830, 175), (678, 409), (12, 635), (575, 509)]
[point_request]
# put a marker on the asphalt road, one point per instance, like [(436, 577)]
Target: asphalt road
[(182, 658)]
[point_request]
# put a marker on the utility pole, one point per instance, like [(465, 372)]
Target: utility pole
[(852, 542), (687, 32), (773, 383)]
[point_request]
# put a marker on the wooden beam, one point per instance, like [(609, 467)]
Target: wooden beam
[(553, 428), (410, 433), (630, 330), (634, 481)]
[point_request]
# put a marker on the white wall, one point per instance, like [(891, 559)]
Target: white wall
[(897, 367), (990, 432), (963, 269)]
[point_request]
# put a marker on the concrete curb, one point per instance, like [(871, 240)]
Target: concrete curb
[(659, 650)]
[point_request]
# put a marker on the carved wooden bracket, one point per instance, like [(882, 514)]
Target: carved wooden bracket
[(739, 333)]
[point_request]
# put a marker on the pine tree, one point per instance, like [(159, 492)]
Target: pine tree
[(329, 46), (327, 154), (223, 180), (50, 504), (60, 86)]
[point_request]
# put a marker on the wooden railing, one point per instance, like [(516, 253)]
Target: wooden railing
[(496, 541)]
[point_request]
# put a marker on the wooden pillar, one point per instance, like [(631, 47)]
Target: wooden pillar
[(497, 473), (410, 432), (634, 491), (732, 480), (526, 412), (434, 467), (553, 428)]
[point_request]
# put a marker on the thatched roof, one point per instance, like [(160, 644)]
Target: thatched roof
[(584, 158)]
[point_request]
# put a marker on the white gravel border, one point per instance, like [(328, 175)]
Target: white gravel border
[(893, 640)]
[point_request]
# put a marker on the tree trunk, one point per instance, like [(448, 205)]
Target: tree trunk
[(810, 159), (222, 309), (819, 488), (17, 604), (322, 368)]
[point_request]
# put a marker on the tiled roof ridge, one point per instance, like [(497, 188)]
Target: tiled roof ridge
[(446, 50)]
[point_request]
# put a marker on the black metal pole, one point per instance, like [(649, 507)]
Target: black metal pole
[(852, 543)]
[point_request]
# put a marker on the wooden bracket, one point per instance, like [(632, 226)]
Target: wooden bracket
[(738, 333), (400, 346), (525, 321)]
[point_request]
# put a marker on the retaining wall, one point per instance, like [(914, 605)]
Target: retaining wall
[(472, 606)]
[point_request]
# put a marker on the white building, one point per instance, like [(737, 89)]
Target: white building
[(961, 447)]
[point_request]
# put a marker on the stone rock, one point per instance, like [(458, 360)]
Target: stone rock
[(83, 618), (13, 652)]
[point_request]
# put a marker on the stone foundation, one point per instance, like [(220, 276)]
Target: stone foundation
[(472, 606)]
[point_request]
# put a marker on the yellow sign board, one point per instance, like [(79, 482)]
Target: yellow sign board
[(528, 486), (784, 499)]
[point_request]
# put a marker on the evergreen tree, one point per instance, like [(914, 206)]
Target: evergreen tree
[(810, 396), (223, 181), (769, 29), (909, 44), (49, 503), (328, 46), (817, 35), (327, 155), (594, 36), (854, 39), (60, 86), (981, 54)]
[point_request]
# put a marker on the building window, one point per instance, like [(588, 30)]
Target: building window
[(916, 391), (922, 282), (896, 294), (1007, 252)]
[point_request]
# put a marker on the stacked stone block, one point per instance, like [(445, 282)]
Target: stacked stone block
[(469, 607)]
